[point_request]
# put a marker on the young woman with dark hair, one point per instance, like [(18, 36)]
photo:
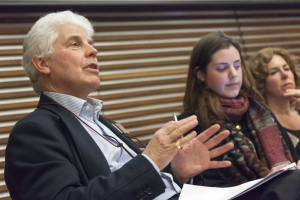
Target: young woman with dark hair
[(220, 89)]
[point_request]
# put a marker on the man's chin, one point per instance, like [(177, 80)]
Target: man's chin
[(95, 85)]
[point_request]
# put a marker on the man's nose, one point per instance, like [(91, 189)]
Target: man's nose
[(91, 51)]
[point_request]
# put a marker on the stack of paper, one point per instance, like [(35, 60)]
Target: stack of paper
[(196, 192)]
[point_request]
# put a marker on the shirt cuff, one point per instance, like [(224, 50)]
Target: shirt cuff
[(153, 163)]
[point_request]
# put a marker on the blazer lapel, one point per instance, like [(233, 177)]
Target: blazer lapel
[(89, 154), (120, 135)]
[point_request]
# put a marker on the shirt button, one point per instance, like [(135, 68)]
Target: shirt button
[(87, 107)]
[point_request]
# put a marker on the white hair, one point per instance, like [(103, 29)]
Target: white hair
[(41, 37)]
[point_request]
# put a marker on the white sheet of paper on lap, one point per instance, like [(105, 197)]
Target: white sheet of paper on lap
[(196, 192)]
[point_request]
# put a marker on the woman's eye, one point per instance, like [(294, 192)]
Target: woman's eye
[(221, 69), (237, 66), (272, 73)]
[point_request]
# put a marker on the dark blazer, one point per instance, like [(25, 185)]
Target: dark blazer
[(50, 156)]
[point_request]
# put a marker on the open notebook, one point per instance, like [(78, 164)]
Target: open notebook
[(195, 192)]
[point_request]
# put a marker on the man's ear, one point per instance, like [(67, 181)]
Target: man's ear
[(41, 65)]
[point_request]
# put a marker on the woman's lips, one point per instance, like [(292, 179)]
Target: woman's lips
[(287, 85), (232, 85)]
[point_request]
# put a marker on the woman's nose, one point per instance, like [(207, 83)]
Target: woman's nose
[(284, 74), (232, 72)]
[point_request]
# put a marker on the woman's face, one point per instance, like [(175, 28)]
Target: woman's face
[(280, 77), (224, 73)]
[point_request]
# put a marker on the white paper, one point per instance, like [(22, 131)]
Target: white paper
[(196, 192)]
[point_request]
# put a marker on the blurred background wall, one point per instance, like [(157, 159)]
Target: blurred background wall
[(143, 52)]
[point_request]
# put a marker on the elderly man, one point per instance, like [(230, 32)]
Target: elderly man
[(66, 150)]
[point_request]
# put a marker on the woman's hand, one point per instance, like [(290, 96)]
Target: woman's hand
[(294, 96), (274, 169), (298, 165)]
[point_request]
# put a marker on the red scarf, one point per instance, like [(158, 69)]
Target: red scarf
[(249, 163), (235, 108)]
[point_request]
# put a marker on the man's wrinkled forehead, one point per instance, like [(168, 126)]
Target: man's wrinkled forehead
[(72, 32)]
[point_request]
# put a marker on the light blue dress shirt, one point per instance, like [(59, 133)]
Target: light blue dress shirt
[(89, 111)]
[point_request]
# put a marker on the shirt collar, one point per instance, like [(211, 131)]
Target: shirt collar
[(75, 104)]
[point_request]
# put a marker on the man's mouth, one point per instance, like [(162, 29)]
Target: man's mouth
[(92, 66)]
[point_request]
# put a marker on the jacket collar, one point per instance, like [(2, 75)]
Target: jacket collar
[(81, 138)]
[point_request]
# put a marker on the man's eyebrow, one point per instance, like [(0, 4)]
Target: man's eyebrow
[(76, 37), (91, 42)]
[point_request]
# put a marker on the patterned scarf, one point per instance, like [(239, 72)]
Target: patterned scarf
[(271, 150)]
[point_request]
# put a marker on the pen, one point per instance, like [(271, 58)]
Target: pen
[(177, 144), (175, 118)]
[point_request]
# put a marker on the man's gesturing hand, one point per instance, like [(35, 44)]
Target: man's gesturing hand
[(195, 156), (161, 148)]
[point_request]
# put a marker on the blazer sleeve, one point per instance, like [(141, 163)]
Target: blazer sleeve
[(40, 166)]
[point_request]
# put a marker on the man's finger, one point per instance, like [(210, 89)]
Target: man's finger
[(220, 150), (219, 164), (171, 126), (181, 130), (211, 143), (205, 135), (185, 140)]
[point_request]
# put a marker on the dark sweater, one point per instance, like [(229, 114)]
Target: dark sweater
[(215, 177)]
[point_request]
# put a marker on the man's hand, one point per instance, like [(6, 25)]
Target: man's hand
[(161, 148), (195, 156)]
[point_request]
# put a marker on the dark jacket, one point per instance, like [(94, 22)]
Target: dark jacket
[(50, 156)]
